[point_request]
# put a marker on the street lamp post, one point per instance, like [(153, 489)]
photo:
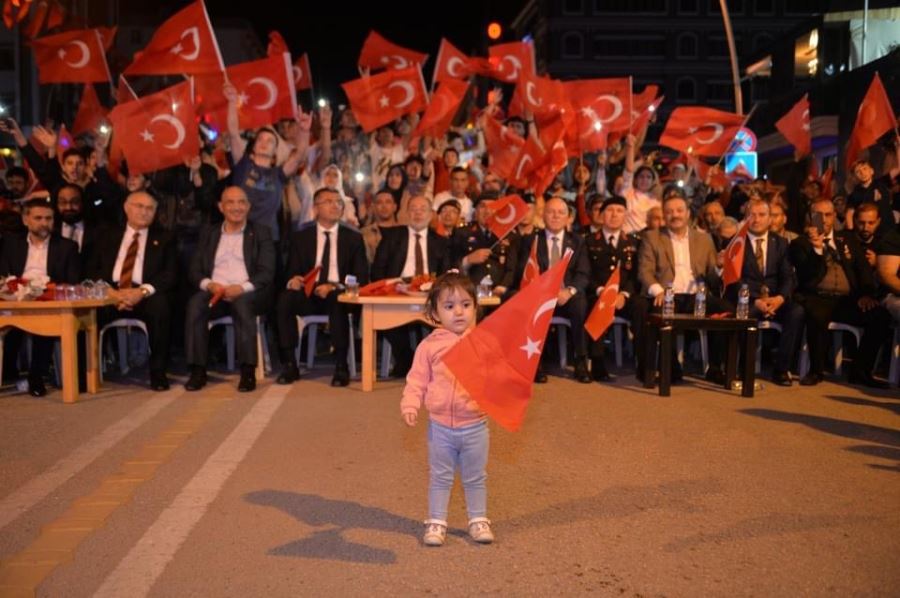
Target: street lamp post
[(735, 75)]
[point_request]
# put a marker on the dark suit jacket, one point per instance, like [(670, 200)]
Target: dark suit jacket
[(88, 240), (390, 257), (604, 259), (779, 276), (811, 268), (160, 258), (502, 264), (259, 255), (656, 262), (351, 253), (578, 273), (63, 264)]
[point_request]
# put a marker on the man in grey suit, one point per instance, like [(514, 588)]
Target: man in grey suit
[(233, 270), (682, 257)]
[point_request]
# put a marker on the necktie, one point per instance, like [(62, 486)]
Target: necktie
[(326, 258), (760, 260), (554, 252), (129, 261), (612, 241), (420, 259)]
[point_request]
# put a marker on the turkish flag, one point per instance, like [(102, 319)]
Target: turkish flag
[(734, 257), (108, 35), (542, 96), (36, 24), (507, 213), (701, 131), (302, 73), (383, 98), (265, 90), (71, 57), (56, 16), (159, 130), (532, 268), (309, 280), (442, 108), (795, 127), (604, 101), (647, 112), (874, 118), (554, 161), (90, 112), (601, 316), (531, 156), (826, 180), (504, 147), (379, 53), (277, 46), (496, 361), (451, 64), (184, 44), (124, 91), (510, 61)]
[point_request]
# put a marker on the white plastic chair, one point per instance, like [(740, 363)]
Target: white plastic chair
[(123, 328), (312, 322), (838, 329), (561, 325), (262, 347), (618, 324)]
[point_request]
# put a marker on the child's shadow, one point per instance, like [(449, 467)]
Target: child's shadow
[(342, 515)]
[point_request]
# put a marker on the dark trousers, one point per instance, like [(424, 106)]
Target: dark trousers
[(790, 317), (295, 303), (596, 348), (823, 309), (41, 353), (401, 347), (156, 312), (684, 304), (575, 310), (243, 311)]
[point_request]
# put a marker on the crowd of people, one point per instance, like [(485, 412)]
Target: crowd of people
[(238, 229)]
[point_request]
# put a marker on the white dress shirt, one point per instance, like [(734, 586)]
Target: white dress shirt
[(751, 238), (684, 278), (36, 262), (137, 275), (333, 274), (409, 267), (75, 232), (228, 266), (614, 234)]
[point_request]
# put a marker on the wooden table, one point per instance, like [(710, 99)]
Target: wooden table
[(63, 319), (666, 328), (384, 312)]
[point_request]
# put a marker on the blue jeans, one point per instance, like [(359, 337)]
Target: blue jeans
[(451, 448)]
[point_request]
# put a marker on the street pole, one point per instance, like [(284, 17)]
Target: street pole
[(735, 75), (865, 29)]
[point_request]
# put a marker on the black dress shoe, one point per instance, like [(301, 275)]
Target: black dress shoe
[(36, 387), (866, 379), (159, 382), (288, 375), (341, 376), (540, 376), (248, 379), (810, 379), (598, 371), (781, 378), (197, 379), (581, 372), (716, 376)]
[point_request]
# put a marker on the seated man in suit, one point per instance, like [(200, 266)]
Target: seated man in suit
[(476, 250), (235, 261), (39, 253), (769, 276), (836, 283), (681, 256), (552, 243), (71, 224), (140, 261), (408, 251), (338, 250), (608, 248)]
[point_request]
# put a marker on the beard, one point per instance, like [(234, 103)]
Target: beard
[(71, 218)]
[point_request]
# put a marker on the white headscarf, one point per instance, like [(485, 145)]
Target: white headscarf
[(349, 215)]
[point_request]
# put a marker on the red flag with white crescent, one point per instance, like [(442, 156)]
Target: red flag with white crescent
[(604, 311), (302, 73), (506, 213), (71, 57), (795, 127), (451, 64), (380, 53), (532, 268), (700, 130), (496, 362), (442, 108), (734, 257), (383, 98)]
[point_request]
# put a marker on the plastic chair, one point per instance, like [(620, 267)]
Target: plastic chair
[(764, 325), (262, 351), (123, 328)]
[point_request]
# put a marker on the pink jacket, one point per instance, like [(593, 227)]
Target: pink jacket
[(429, 382)]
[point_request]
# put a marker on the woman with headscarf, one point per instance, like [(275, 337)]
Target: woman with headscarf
[(334, 179), (639, 188)]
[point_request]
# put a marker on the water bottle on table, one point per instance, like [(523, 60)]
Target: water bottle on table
[(668, 302), (700, 300), (743, 305)]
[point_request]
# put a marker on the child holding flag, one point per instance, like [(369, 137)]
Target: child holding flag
[(458, 431)]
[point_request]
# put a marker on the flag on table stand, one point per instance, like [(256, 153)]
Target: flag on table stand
[(496, 361), (734, 257), (601, 317)]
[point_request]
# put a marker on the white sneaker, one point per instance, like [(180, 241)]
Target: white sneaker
[(435, 532), (480, 530)]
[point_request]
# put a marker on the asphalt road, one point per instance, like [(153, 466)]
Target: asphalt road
[(314, 491)]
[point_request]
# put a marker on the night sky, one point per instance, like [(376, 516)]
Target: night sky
[(334, 40)]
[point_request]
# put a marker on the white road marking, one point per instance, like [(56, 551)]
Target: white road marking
[(38, 488), (138, 571)]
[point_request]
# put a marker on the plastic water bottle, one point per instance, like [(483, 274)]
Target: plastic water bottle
[(743, 306), (485, 287), (668, 302), (700, 300)]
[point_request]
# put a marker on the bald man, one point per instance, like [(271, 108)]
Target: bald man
[(139, 261)]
